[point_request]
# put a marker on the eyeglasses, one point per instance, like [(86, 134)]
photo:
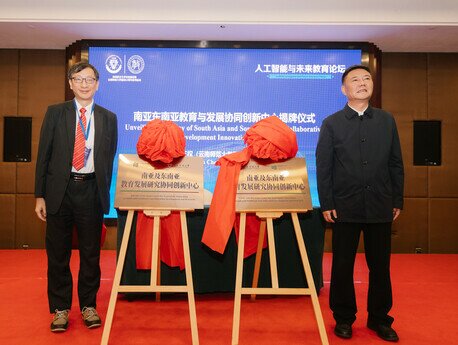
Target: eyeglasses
[(88, 80)]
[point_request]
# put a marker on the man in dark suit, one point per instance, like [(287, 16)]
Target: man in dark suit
[(73, 175), (360, 179)]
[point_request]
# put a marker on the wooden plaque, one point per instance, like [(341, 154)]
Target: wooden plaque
[(277, 186), (176, 186)]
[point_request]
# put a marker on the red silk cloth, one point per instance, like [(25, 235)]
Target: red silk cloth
[(269, 138), (160, 141), (171, 245)]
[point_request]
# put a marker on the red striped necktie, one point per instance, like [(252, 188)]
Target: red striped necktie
[(80, 142)]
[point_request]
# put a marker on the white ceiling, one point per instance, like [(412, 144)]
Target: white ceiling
[(392, 25)]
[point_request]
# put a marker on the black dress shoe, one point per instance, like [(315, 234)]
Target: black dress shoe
[(343, 330), (385, 332)]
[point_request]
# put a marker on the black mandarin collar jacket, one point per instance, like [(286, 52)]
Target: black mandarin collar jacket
[(359, 166)]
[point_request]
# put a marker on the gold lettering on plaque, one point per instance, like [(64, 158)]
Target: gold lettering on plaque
[(174, 186), (280, 186)]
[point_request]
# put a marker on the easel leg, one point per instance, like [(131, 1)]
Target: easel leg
[(158, 276), (189, 282), (272, 253), (257, 263), (238, 281), (309, 277), (155, 250), (117, 279), (155, 277)]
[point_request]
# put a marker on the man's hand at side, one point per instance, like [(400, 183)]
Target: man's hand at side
[(40, 208), (329, 215)]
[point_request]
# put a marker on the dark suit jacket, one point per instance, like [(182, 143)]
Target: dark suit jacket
[(359, 166), (55, 153)]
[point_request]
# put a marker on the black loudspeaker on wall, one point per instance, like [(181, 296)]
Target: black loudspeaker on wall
[(427, 142), (17, 139)]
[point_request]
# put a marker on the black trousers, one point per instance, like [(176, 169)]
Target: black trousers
[(81, 208), (377, 246)]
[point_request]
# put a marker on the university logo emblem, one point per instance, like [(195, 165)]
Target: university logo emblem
[(135, 64), (113, 64)]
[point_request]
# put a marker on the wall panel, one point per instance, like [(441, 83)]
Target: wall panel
[(8, 87), (8, 107), (410, 230), (41, 83), (26, 177), (404, 94), (404, 84), (30, 231), (415, 177), (7, 220), (443, 220), (442, 105), (111, 237), (7, 177)]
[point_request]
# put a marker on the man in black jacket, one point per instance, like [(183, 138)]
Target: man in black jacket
[(73, 175), (360, 179)]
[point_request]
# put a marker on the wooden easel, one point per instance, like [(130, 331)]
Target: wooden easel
[(267, 218), (154, 283)]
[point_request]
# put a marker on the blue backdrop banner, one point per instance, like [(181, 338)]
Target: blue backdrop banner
[(216, 94)]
